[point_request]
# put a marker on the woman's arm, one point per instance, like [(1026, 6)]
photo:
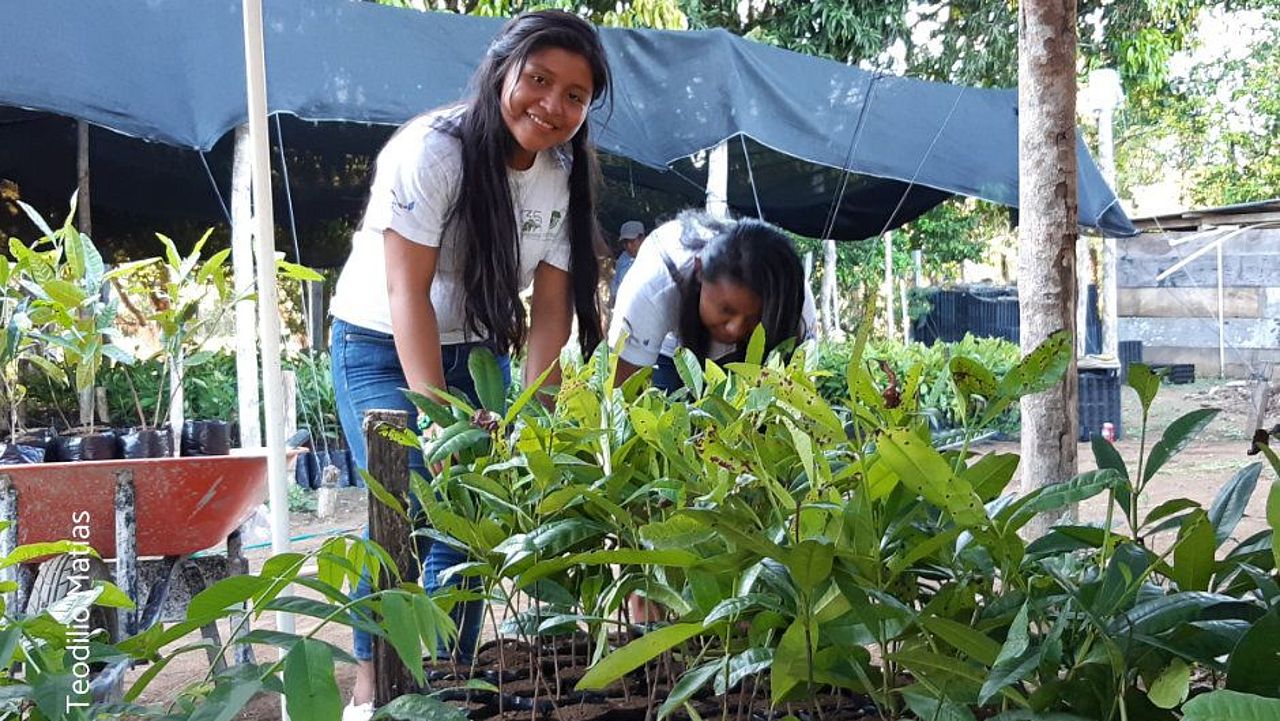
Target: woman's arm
[(624, 371), (550, 320), (411, 268)]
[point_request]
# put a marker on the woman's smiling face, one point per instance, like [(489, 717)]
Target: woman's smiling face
[(545, 101)]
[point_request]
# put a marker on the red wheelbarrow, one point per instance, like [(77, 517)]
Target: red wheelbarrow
[(149, 515)]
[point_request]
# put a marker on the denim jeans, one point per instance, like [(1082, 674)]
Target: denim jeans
[(367, 376)]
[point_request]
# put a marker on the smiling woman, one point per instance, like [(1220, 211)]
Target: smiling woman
[(470, 205)]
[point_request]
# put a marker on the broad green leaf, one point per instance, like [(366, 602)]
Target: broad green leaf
[(690, 371), (1146, 383), (286, 641), (1039, 370), (384, 496), (1168, 509), (310, 690), (490, 388), (688, 685), (755, 347), (810, 564), (1012, 662), (1193, 556), (926, 706), (747, 663), (402, 631), (454, 439), (1254, 666), (226, 701), (731, 608), (635, 654), (926, 472), (293, 271), (991, 474), (112, 596), (973, 643), (437, 412), (971, 378), (1232, 499), (1057, 495), (32, 551), (214, 600), (1171, 686), (415, 707), (68, 295), (1176, 437), (37, 219), (1224, 705)]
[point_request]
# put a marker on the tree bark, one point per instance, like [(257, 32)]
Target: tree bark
[(1048, 210), (389, 465)]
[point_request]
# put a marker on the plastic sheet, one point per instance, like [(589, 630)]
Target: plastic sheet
[(87, 447), (146, 443), (206, 438), (12, 454)]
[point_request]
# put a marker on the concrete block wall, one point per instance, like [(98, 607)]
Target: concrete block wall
[(1177, 318)]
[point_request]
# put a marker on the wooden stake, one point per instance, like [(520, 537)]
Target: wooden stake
[(389, 465)]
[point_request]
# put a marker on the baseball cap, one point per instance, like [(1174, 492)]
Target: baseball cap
[(631, 229)]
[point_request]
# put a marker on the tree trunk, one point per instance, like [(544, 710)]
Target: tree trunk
[(1047, 200)]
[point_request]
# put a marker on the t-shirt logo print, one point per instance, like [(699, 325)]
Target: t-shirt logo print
[(555, 219), (532, 221), (401, 206)]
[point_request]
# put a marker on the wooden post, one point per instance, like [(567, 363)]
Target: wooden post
[(9, 536), (127, 547), (84, 223), (389, 465), (1048, 218), (1259, 399)]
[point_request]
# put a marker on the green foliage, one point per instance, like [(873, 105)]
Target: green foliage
[(1219, 123), (827, 545), (939, 397)]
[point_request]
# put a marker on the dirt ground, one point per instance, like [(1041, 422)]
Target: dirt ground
[(1197, 473)]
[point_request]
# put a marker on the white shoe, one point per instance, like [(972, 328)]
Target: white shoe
[(363, 712)]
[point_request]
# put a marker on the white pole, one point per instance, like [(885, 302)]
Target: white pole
[(246, 310), (1101, 95), (889, 301), (718, 181), (269, 318), (1222, 331), (1084, 271)]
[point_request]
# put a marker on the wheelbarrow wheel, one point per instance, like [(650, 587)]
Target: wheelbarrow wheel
[(58, 577)]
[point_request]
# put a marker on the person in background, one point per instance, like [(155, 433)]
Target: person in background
[(705, 283), (471, 204), (631, 236)]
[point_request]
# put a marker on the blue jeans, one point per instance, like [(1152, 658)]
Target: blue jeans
[(367, 376)]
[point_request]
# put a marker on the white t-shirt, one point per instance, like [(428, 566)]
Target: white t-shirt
[(648, 303), (415, 182)]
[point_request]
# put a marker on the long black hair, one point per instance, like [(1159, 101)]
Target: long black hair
[(750, 253), (483, 212)]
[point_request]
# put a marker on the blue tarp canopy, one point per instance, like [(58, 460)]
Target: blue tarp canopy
[(833, 150)]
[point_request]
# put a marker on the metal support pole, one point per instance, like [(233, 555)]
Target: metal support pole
[(127, 548), (718, 181)]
